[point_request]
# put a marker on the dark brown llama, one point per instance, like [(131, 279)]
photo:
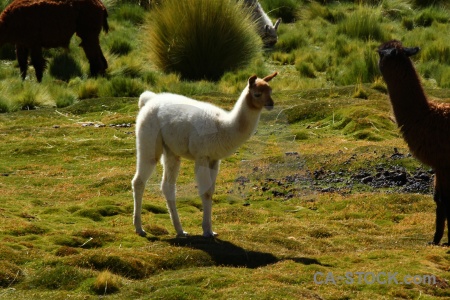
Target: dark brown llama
[(31, 25), (425, 125)]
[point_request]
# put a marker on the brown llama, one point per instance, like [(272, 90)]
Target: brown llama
[(425, 125), (31, 25)]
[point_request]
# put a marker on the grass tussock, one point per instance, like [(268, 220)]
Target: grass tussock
[(106, 283), (215, 37), (60, 277), (64, 67), (364, 24), (10, 274)]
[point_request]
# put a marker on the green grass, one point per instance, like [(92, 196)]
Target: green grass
[(67, 162), (72, 233)]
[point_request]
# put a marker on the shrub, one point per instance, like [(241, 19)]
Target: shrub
[(64, 67), (201, 39)]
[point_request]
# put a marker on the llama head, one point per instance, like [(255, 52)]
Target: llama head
[(270, 35), (394, 50), (260, 93)]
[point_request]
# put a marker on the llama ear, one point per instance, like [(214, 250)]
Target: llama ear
[(266, 28), (251, 80), (269, 77), (411, 51), (277, 23)]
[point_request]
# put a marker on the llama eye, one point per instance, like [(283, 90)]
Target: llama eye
[(257, 95)]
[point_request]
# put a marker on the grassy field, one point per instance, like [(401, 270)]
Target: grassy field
[(65, 172)]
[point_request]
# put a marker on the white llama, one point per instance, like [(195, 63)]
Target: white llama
[(266, 30), (174, 126)]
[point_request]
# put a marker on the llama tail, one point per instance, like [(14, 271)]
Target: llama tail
[(145, 97)]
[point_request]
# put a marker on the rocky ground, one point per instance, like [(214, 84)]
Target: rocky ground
[(387, 177)]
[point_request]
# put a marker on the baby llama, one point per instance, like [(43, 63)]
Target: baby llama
[(425, 125), (173, 126), (31, 25)]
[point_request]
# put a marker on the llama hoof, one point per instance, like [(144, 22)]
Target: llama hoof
[(183, 234), (210, 234), (141, 233), (432, 243)]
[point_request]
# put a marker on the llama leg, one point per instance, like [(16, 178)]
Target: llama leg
[(171, 165), (206, 174), (149, 149), (97, 61), (440, 221), (441, 209), (38, 62), (138, 184), (446, 200), (22, 59)]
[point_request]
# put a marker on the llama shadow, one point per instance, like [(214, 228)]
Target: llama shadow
[(224, 253)]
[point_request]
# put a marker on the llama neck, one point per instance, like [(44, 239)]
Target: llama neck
[(405, 90), (243, 119)]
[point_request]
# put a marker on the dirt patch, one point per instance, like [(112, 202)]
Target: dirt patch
[(386, 175)]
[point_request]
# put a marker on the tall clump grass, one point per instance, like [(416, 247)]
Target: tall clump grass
[(431, 14), (363, 24), (32, 96), (437, 50), (201, 39), (425, 3), (64, 67), (129, 12), (284, 9)]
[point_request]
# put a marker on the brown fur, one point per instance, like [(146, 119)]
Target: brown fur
[(425, 125), (35, 24)]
